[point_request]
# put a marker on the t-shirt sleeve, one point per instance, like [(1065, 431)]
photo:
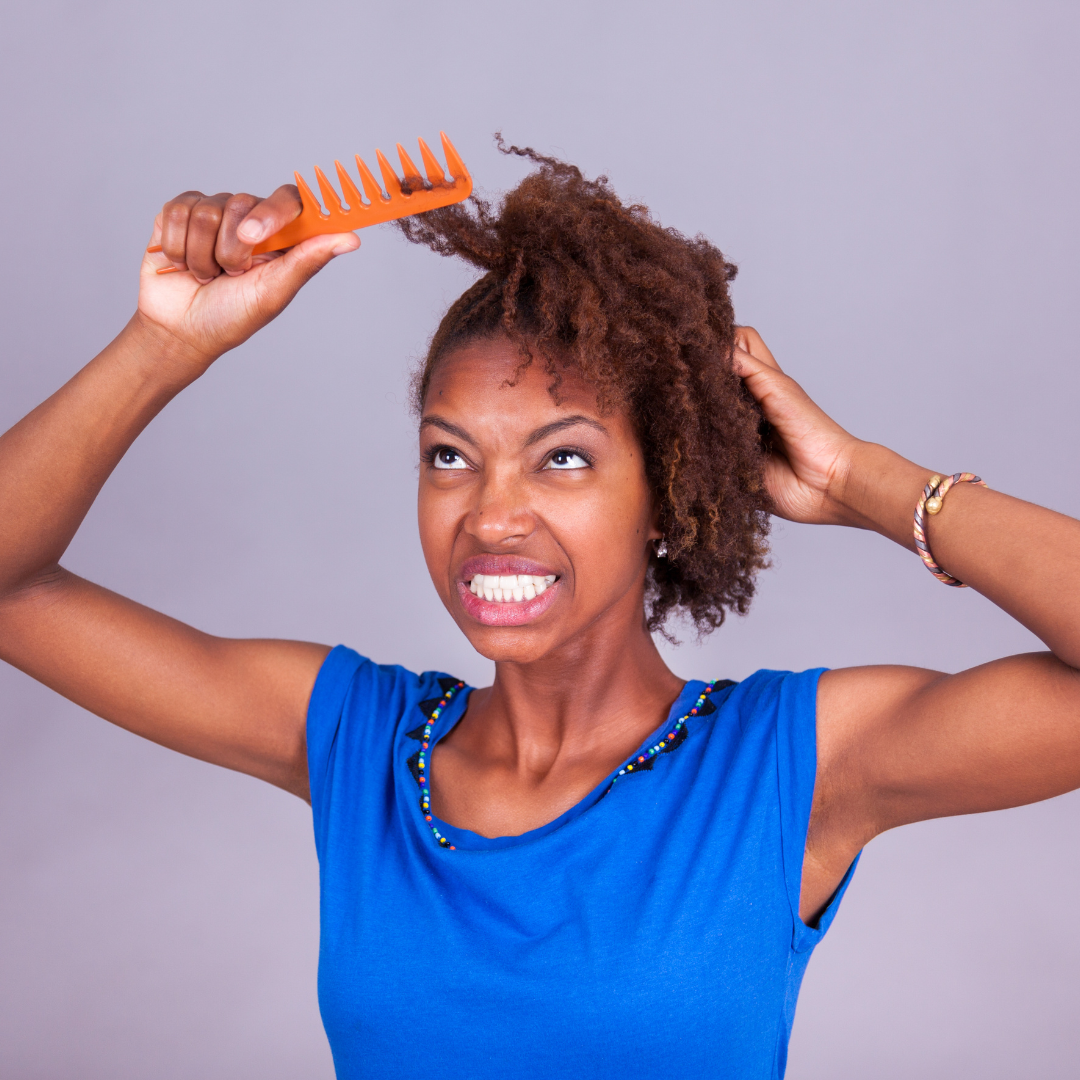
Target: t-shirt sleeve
[(796, 762), (353, 716), (333, 687)]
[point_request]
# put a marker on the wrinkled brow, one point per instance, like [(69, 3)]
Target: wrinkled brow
[(560, 425), (445, 425), (538, 435)]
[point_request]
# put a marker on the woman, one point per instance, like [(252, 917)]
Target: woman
[(591, 866)]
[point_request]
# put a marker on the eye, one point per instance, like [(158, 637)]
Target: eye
[(567, 459), (445, 457)]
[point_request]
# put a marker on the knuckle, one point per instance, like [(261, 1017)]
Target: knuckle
[(239, 206), (175, 212), (288, 194), (232, 258), (206, 213), (184, 200)]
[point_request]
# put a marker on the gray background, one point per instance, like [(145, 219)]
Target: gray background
[(899, 185)]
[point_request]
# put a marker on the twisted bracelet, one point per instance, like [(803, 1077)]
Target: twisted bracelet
[(931, 500)]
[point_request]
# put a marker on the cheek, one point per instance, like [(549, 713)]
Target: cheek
[(605, 532), (437, 517)]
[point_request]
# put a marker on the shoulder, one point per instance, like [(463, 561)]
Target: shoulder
[(356, 700), (358, 711), (767, 722), (766, 694), (849, 699)]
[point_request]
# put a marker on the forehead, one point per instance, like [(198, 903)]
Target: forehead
[(490, 370)]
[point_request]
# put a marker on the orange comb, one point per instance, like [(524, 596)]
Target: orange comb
[(402, 198)]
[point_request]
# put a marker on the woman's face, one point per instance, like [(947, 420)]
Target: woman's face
[(547, 503)]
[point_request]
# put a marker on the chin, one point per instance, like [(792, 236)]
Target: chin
[(517, 632), (509, 645)]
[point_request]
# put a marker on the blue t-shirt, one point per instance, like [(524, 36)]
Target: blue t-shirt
[(652, 929)]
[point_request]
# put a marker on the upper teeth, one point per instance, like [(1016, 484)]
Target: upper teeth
[(512, 587)]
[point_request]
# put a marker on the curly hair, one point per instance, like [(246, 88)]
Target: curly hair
[(644, 315)]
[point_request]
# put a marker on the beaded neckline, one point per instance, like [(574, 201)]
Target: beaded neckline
[(640, 762), (421, 762), (673, 738)]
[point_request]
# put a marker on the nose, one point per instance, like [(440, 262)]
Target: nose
[(500, 516)]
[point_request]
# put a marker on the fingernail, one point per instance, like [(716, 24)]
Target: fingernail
[(251, 232), (342, 248)]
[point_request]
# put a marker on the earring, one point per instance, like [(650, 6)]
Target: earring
[(661, 548)]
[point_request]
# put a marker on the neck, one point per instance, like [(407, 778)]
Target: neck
[(608, 687)]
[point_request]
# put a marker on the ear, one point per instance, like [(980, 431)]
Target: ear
[(655, 532)]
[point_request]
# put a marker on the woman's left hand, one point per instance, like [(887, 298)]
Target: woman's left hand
[(811, 453)]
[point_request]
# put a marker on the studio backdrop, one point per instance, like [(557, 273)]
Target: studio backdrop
[(897, 183)]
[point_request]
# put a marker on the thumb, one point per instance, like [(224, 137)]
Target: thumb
[(749, 340), (750, 368), (286, 275)]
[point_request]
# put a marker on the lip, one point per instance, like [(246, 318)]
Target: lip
[(513, 613), (503, 565), (493, 613)]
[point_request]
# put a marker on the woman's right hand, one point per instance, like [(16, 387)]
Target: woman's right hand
[(224, 293), (241, 704)]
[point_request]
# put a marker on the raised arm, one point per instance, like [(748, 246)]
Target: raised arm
[(240, 704), (898, 744)]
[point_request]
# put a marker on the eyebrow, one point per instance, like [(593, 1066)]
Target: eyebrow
[(561, 425), (452, 429), (538, 435)]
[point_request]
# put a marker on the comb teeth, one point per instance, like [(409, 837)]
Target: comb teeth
[(307, 199), (431, 165), (391, 183), (413, 180), (372, 188), (329, 195), (348, 188), (402, 198), (453, 162)]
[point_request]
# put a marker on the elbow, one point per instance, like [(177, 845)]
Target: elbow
[(19, 596)]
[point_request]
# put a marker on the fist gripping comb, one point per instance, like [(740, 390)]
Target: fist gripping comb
[(402, 198)]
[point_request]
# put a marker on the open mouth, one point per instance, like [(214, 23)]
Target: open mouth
[(509, 588), (507, 599)]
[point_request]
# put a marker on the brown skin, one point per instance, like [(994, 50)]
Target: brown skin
[(899, 744), (577, 690)]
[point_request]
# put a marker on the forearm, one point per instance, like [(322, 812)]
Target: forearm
[(54, 461), (1024, 558)]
